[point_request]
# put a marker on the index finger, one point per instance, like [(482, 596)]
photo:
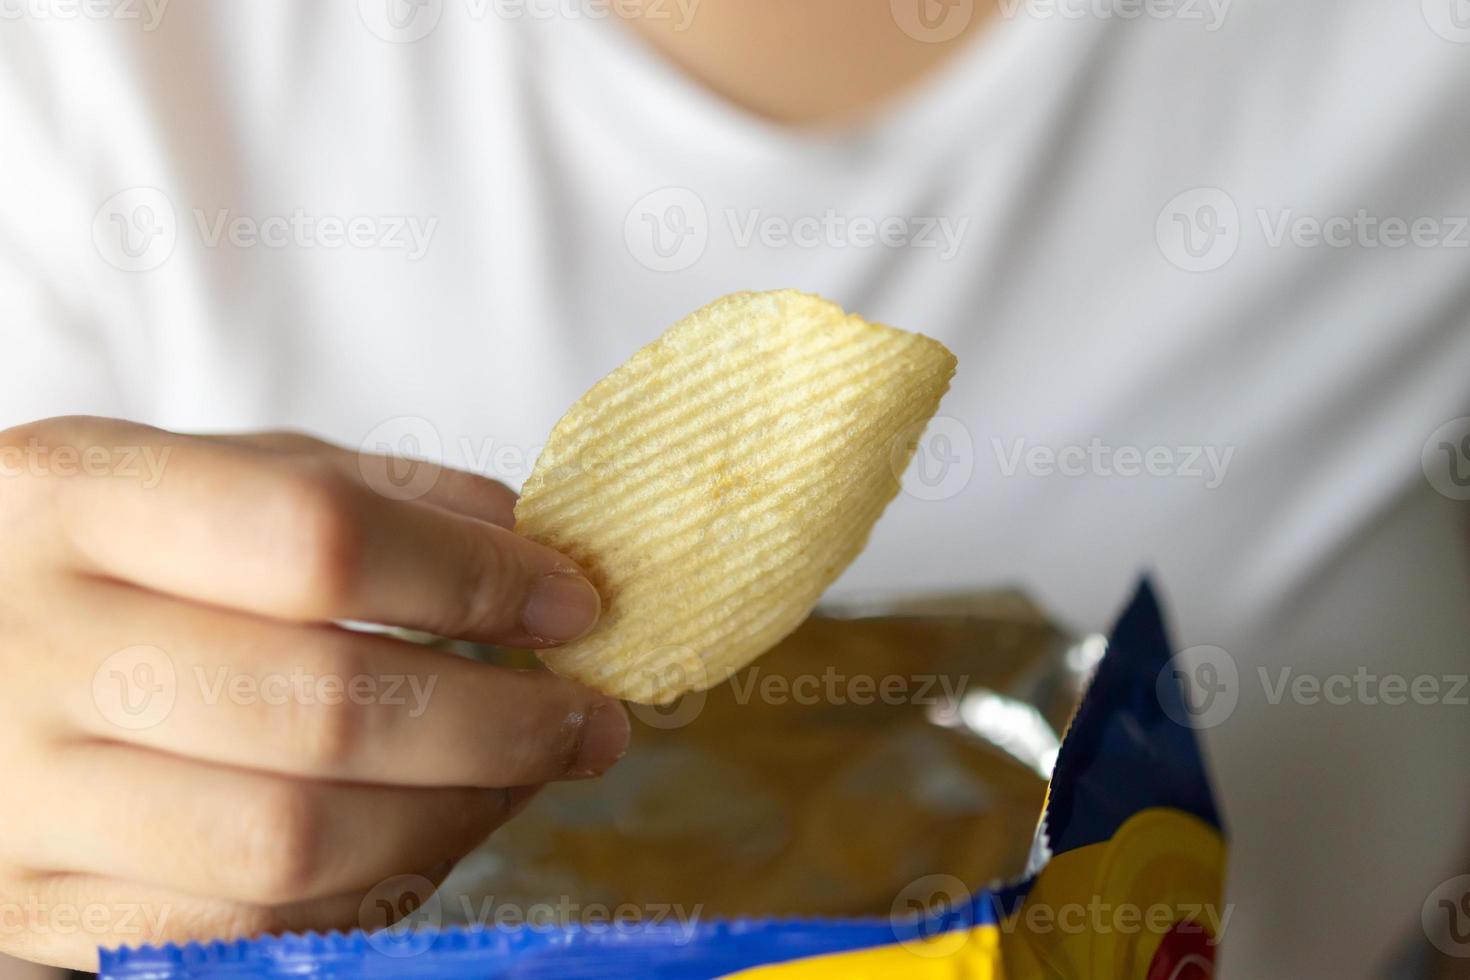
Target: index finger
[(294, 538)]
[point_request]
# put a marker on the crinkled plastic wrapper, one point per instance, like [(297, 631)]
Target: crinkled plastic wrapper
[(833, 812)]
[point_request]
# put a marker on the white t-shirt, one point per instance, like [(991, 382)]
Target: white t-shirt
[(1205, 269)]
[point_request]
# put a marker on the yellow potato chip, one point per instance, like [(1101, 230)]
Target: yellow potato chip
[(716, 484)]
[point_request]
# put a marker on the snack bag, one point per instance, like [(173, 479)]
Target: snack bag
[(1125, 883)]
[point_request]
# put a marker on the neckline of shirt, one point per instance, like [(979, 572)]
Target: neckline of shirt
[(971, 84)]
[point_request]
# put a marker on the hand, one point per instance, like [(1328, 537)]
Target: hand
[(192, 750)]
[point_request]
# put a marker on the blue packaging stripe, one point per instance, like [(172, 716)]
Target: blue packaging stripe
[(663, 951), (658, 952)]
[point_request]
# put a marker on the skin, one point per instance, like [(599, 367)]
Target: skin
[(233, 814), (813, 62)]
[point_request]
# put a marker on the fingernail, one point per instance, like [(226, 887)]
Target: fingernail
[(561, 607), (604, 739)]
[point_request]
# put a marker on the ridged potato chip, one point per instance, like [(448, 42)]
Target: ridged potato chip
[(716, 484)]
